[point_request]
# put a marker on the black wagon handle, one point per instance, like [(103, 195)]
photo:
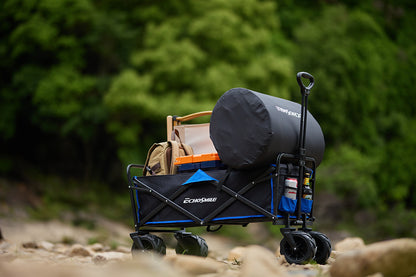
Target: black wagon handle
[(305, 89)]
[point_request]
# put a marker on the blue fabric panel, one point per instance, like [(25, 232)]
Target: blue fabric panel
[(287, 205), (306, 205), (199, 176)]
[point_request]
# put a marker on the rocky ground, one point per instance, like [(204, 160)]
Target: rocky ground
[(56, 249)]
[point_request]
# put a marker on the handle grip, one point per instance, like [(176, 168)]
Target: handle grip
[(192, 116), (305, 89)]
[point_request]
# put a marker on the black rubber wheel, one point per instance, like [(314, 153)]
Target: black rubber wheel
[(150, 243), (303, 252), (323, 245), (191, 245)]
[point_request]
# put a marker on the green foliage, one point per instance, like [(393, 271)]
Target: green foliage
[(363, 87), (352, 58), (57, 61), (190, 59), (396, 179), (349, 173), (66, 101), (213, 47)]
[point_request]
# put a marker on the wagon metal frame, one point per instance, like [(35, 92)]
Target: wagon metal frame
[(298, 246)]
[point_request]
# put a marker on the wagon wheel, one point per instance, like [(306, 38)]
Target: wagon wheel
[(191, 245), (303, 252), (323, 245), (149, 243)]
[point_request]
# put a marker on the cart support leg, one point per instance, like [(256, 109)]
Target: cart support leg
[(287, 233), (304, 228)]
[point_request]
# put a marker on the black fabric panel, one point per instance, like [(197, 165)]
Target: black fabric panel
[(261, 194), (237, 145), (249, 129)]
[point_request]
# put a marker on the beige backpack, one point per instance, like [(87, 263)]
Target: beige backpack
[(162, 156)]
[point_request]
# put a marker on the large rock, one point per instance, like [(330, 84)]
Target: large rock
[(111, 256), (123, 249), (30, 244), (46, 245), (236, 254), (390, 258), (258, 261), (96, 247), (348, 244), (79, 250), (196, 265), (142, 266), (6, 257)]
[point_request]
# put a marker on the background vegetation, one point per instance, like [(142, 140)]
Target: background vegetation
[(86, 86)]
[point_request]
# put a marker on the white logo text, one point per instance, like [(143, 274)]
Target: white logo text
[(286, 111), (199, 200)]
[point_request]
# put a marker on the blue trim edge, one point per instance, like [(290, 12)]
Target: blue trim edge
[(138, 206), (215, 219), (167, 222)]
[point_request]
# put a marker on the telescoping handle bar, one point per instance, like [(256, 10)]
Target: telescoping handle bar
[(305, 89)]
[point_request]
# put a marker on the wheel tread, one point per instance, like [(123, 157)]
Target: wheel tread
[(324, 247), (191, 245), (151, 243), (300, 256)]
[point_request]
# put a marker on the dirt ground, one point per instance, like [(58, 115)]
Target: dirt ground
[(55, 248), (52, 243)]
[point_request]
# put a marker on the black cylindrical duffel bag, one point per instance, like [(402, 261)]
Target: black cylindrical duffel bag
[(249, 129)]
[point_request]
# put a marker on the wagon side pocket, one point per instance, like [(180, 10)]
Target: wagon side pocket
[(287, 205), (306, 205)]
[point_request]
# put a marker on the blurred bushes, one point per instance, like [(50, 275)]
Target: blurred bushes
[(188, 60), (86, 85)]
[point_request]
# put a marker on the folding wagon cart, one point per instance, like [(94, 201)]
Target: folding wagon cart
[(209, 191)]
